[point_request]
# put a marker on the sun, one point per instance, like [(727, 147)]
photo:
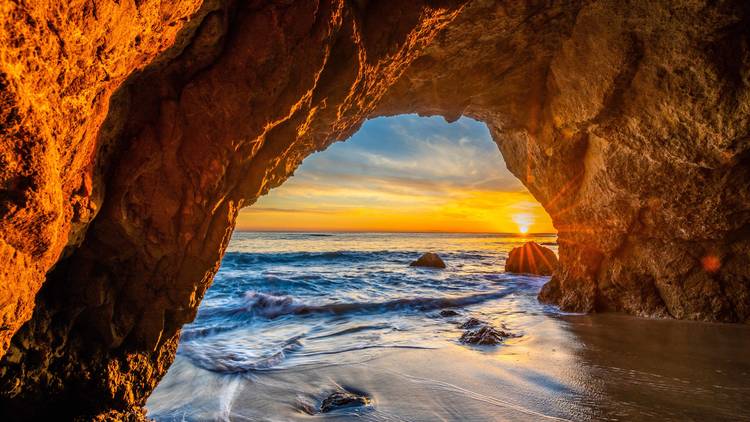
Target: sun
[(523, 220)]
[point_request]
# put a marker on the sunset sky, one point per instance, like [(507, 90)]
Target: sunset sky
[(403, 173)]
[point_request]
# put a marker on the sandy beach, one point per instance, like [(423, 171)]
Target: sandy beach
[(601, 367)]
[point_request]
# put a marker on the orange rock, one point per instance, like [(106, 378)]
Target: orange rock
[(531, 258), (429, 260)]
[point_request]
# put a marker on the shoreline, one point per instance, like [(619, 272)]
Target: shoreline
[(564, 367), (283, 328)]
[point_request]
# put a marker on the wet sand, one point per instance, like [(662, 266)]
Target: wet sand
[(597, 367)]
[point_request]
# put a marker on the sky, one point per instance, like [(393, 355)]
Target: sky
[(403, 174)]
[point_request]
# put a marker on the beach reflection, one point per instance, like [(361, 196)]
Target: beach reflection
[(644, 369)]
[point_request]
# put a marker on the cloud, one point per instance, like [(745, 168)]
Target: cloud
[(417, 148), (408, 169), (288, 210)]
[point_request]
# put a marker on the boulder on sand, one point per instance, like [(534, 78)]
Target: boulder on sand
[(484, 335), (531, 258), (481, 333), (429, 260), (342, 399)]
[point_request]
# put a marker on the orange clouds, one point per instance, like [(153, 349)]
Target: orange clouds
[(473, 211)]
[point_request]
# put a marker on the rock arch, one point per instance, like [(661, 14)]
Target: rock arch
[(133, 133)]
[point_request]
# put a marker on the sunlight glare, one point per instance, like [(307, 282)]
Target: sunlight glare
[(523, 220)]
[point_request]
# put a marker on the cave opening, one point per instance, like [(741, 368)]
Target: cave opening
[(403, 173), (317, 272), (130, 143)]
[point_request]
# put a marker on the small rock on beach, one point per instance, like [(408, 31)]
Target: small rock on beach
[(481, 333), (342, 399)]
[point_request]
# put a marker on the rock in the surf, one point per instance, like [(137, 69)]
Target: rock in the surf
[(448, 313), (429, 259), (484, 335), (531, 258), (343, 399)]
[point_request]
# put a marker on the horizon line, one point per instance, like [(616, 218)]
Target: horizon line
[(390, 231)]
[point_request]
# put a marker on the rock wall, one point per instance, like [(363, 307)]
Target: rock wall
[(629, 123), (131, 134)]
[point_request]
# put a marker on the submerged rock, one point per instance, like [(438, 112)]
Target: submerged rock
[(448, 313), (429, 260), (531, 258), (485, 335), (343, 399)]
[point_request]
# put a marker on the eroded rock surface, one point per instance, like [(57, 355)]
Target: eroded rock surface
[(131, 133), (531, 258)]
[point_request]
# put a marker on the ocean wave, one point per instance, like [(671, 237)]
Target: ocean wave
[(353, 330), (190, 333), (232, 360), (239, 259), (229, 358), (271, 306), (249, 301)]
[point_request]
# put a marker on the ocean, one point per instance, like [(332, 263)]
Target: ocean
[(291, 317)]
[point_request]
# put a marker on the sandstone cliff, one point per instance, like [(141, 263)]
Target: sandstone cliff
[(132, 132)]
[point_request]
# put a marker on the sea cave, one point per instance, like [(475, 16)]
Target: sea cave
[(133, 133)]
